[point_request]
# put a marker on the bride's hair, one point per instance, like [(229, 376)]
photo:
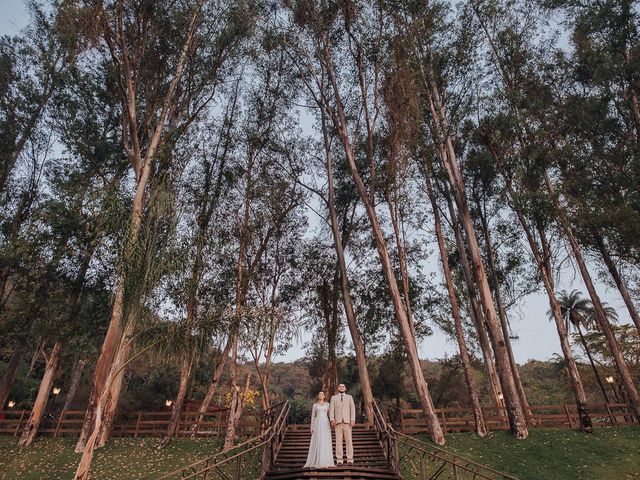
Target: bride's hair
[(321, 392)]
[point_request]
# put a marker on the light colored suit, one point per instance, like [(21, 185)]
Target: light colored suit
[(342, 411)]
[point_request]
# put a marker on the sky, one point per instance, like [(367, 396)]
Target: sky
[(537, 337)]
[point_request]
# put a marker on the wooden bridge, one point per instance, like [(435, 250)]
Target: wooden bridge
[(381, 453)]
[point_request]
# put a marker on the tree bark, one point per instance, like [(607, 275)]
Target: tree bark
[(354, 330), (515, 412), (547, 279), (481, 426), (113, 394), (31, 428), (502, 314), (476, 310), (75, 382), (340, 124), (617, 278)]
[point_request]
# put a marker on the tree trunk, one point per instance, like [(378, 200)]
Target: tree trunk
[(329, 299), (547, 278), (515, 412), (481, 427), (113, 396), (502, 314), (75, 381), (10, 372), (354, 330), (433, 424), (476, 311), (603, 322), (178, 404), (235, 412), (36, 355), (211, 391), (235, 397), (593, 364), (103, 366), (615, 274), (601, 317), (31, 428), (118, 366)]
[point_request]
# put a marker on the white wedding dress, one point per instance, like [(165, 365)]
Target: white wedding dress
[(320, 449)]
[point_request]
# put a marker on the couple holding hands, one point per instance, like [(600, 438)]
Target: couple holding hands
[(340, 414)]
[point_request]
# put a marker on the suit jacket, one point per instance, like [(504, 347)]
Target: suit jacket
[(342, 411)]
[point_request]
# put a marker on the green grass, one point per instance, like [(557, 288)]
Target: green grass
[(608, 454), (120, 459)]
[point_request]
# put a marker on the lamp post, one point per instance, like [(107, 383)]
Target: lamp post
[(610, 380), (56, 392)]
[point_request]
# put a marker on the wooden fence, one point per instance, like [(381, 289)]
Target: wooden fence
[(153, 424), (548, 416), (149, 424)]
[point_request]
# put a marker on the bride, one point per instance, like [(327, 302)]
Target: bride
[(320, 449)]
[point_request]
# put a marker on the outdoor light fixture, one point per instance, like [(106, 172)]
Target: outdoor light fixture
[(11, 404), (609, 379), (56, 390), (168, 403)]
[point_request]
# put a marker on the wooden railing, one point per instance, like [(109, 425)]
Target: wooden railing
[(240, 461), (411, 458), (407, 421), (147, 424), (549, 416)]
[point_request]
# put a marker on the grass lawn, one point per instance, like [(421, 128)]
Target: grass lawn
[(120, 459), (608, 454)]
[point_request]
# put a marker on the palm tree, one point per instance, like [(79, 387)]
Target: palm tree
[(578, 313)]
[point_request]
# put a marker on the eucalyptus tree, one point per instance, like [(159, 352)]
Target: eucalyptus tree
[(77, 217), (600, 119), (481, 427), (509, 35), (401, 182), (509, 271), (267, 199), (165, 76), (338, 48), (32, 67), (205, 189), (422, 32), (275, 291)]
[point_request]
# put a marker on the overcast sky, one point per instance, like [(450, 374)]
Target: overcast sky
[(537, 335)]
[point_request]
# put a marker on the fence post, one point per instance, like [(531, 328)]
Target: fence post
[(55, 435), (137, 424)]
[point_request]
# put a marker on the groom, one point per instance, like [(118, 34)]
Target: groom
[(342, 414)]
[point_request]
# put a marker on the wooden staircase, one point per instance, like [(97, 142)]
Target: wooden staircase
[(369, 460)]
